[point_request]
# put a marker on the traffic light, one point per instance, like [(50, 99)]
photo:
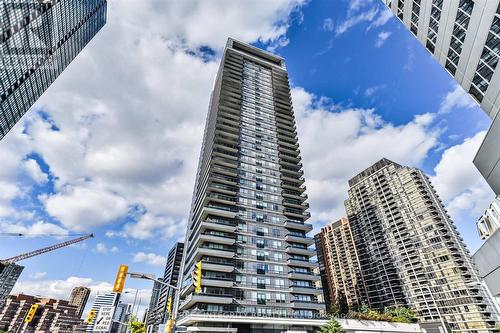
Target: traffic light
[(120, 279), (91, 316), (197, 278), (31, 313), (169, 305), (169, 326)]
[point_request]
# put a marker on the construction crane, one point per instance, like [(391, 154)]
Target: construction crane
[(43, 250)]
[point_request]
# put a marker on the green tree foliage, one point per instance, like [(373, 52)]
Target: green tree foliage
[(342, 303), (392, 314), (401, 314), (340, 307), (136, 326), (333, 326)]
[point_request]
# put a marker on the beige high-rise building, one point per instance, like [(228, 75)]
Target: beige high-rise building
[(79, 297), (464, 37), (411, 252), (339, 264)]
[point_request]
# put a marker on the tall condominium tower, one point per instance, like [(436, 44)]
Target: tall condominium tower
[(411, 253), (79, 297), (9, 273), (464, 37), (158, 310), (339, 264), (247, 222), (38, 39)]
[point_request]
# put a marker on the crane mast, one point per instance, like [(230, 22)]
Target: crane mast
[(44, 250)]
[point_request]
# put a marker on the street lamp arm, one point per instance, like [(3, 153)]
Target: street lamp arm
[(152, 278)]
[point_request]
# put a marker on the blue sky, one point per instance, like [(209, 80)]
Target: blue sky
[(112, 147)]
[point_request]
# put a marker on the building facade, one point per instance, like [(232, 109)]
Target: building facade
[(464, 37), (52, 315), (9, 273), (410, 251), (79, 297), (339, 264), (489, 222), (38, 39), (158, 307), (247, 221), (106, 299)]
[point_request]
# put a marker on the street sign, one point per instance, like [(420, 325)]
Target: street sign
[(104, 319)]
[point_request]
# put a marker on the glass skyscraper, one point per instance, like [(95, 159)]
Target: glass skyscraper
[(247, 221), (38, 39)]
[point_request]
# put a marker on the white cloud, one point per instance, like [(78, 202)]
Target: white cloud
[(103, 249), (149, 258), (457, 98), (352, 21), (38, 275), (358, 138), (37, 228), (382, 38), (456, 178), (80, 208), (370, 91), (328, 24), (35, 172), (383, 17)]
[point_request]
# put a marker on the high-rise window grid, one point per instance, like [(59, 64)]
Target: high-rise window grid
[(462, 19), (415, 14), (488, 61), (432, 34), (37, 41), (401, 9)]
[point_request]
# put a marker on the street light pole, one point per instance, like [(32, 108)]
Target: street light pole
[(153, 278)]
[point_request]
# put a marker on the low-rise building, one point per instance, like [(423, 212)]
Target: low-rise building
[(52, 315)]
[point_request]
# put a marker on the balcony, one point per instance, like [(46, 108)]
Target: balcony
[(293, 186), (289, 157), (218, 225), (216, 282), (299, 250), (298, 213), (303, 276), (192, 299), (306, 290), (218, 211), (296, 238), (220, 198), (294, 195), (224, 170), (302, 263), (299, 204), (298, 225), (309, 305), (215, 267), (224, 179), (204, 251), (216, 239)]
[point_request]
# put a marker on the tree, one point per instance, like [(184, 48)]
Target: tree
[(136, 326), (342, 303), (401, 314), (333, 326)]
